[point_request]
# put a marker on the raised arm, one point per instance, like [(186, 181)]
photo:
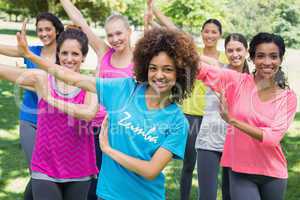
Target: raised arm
[(62, 73), (164, 20), (74, 14), (9, 50), (148, 169), (148, 18)]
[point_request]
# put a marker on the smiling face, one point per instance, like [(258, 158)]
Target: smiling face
[(70, 54), (46, 32), (267, 60), (236, 54), (210, 35), (161, 74), (118, 34)]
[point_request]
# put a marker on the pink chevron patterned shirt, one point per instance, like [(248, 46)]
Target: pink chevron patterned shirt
[(63, 147)]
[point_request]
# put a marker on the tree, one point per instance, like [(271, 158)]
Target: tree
[(287, 23), (251, 16), (9, 7), (190, 14)]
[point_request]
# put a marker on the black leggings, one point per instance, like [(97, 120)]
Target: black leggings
[(48, 190), (27, 139), (92, 192), (256, 187), (189, 156), (208, 163)]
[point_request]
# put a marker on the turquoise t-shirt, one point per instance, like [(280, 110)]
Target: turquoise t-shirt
[(28, 111), (137, 132)]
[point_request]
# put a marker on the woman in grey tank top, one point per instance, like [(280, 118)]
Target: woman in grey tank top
[(211, 137)]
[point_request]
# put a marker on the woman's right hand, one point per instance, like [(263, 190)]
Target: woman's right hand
[(103, 136), (22, 41)]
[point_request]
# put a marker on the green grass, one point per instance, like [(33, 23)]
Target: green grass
[(14, 31), (14, 173)]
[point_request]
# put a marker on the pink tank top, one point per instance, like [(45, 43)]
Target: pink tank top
[(63, 146), (109, 71)]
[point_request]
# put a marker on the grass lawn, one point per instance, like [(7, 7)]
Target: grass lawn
[(14, 174)]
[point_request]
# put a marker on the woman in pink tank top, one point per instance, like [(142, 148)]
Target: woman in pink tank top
[(114, 61), (63, 161)]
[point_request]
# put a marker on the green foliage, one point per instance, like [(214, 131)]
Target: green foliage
[(9, 7), (287, 23), (135, 11), (190, 14), (245, 16), (250, 16)]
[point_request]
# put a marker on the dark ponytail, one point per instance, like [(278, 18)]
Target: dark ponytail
[(281, 79)]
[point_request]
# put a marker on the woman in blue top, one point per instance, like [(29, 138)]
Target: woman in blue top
[(48, 28), (146, 128)]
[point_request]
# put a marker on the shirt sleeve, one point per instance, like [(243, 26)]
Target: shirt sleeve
[(176, 139), (113, 91), (285, 114), (219, 79)]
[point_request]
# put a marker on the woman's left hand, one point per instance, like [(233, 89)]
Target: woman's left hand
[(103, 137)]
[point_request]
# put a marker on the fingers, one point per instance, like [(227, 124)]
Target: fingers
[(104, 129), (18, 36), (149, 2), (23, 30), (105, 122)]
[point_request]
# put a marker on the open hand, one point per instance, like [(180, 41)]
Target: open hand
[(223, 107), (103, 137), (22, 41)]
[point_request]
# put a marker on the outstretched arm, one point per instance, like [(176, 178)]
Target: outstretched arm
[(62, 73), (22, 77), (148, 17), (31, 79), (269, 134), (164, 20), (86, 111), (9, 50), (148, 169), (74, 14)]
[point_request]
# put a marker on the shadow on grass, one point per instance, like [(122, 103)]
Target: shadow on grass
[(13, 168), (297, 116), (291, 146), (172, 175), (8, 106)]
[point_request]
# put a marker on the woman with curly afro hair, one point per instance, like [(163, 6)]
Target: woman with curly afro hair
[(145, 129)]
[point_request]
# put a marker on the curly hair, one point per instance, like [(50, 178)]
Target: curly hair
[(180, 47)]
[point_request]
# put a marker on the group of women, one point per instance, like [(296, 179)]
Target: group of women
[(165, 98)]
